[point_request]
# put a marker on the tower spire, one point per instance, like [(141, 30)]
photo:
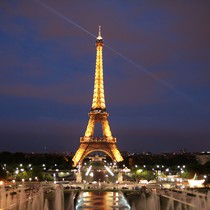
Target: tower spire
[(99, 32), (98, 102), (99, 38)]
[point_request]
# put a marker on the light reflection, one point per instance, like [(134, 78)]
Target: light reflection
[(102, 200)]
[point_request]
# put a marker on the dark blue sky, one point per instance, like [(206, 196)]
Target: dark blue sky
[(157, 85)]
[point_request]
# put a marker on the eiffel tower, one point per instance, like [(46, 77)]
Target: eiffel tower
[(98, 114)]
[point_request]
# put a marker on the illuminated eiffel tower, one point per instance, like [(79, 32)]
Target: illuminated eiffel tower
[(98, 114)]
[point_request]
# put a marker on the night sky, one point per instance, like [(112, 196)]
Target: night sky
[(156, 73)]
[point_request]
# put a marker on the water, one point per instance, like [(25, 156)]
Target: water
[(168, 200), (59, 199), (102, 200), (38, 198)]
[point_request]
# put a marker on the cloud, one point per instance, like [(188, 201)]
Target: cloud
[(63, 93), (33, 136), (63, 135), (157, 140), (135, 89), (46, 61)]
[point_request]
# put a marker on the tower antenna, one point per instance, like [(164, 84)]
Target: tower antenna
[(99, 30), (99, 33)]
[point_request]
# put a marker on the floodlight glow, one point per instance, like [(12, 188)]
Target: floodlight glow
[(88, 171), (108, 169)]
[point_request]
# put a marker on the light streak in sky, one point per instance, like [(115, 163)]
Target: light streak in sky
[(146, 71), (65, 18)]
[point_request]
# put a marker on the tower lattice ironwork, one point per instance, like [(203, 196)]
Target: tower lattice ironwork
[(98, 114)]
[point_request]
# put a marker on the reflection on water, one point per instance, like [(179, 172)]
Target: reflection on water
[(102, 200)]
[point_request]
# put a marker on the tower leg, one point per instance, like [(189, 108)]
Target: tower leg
[(106, 129), (88, 147), (90, 127), (79, 154)]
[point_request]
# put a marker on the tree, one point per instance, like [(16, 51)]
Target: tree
[(37, 172), (3, 173), (48, 177), (23, 175), (185, 174), (146, 174)]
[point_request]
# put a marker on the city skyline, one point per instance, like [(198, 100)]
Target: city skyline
[(156, 73)]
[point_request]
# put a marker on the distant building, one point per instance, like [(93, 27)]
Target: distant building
[(203, 157)]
